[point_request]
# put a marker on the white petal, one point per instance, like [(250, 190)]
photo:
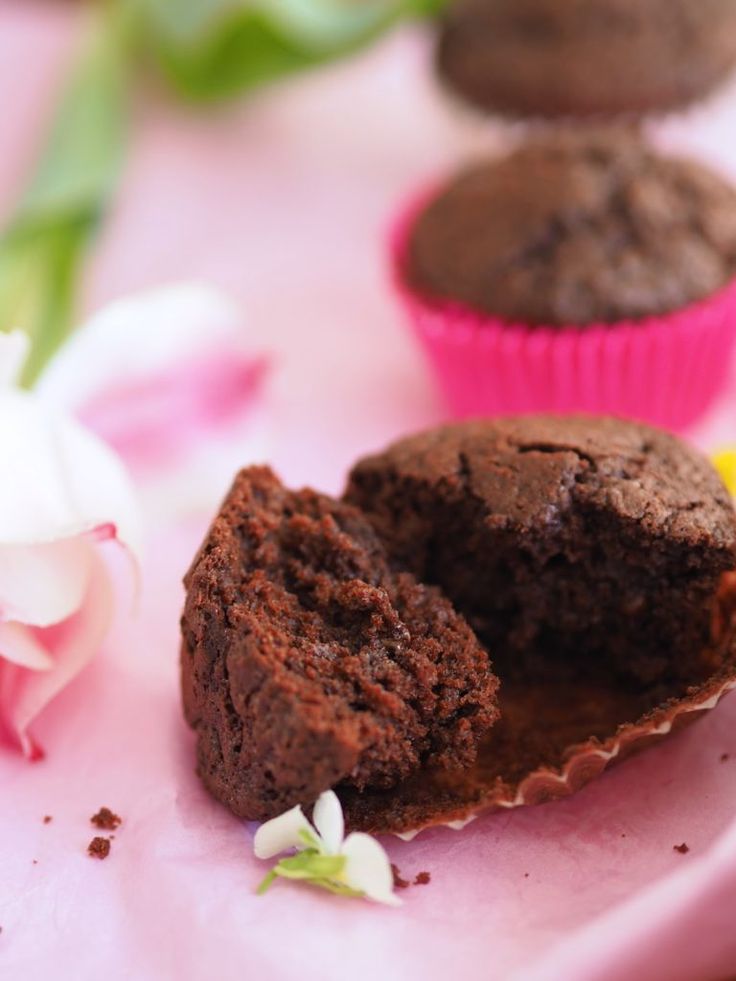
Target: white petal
[(281, 833), (159, 373), (22, 647), (14, 349), (329, 822), (44, 584), (61, 480), (135, 338), (368, 868)]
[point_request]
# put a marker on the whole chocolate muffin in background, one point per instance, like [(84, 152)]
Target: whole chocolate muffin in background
[(586, 57), (578, 548), (576, 228), (308, 663)]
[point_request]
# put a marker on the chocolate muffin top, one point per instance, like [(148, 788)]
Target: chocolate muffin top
[(577, 228), (591, 547), (307, 662), (586, 57), (523, 471)]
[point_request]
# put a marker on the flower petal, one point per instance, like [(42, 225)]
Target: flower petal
[(20, 646), (70, 645), (329, 822), (368, 868), (153, 373), (725, 463), (281, 833), (44, 584), (14, 348), (63, 480)]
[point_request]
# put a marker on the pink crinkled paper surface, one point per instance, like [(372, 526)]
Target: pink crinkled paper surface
[(293, 193)]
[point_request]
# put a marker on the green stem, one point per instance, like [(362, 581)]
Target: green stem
[(42, 252)]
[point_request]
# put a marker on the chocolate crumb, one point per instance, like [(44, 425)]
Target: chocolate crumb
[(422, 879), (526, 875), (99, 848), (399, 883), (47, 819), (106, 820), (623, 835), (724, 757), (682, 849), (35, 861)]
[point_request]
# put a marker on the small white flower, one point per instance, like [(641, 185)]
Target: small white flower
[(354, 866)]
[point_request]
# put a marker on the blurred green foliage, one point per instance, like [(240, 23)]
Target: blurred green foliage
[(211, 49), (208, 50)]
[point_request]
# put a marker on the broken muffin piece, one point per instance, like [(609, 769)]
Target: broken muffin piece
[(308, 663), (578, 548)]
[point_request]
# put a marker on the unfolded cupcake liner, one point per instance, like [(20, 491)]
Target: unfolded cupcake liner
[(664, 370), (584, 762), (579, 764), (453, 799)]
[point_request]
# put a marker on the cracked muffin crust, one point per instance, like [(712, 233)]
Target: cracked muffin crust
[(575, 229), (308, 663), (578, 548), (585, 57)]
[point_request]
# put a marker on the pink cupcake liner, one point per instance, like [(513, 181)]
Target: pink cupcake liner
[(665, 370)]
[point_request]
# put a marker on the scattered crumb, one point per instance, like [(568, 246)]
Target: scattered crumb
[(526, 875), (99, 848), (106, 820), (623, 835), (422, 879), (399, 883), (35, 861), (724, 757), (682, 849), (47, 819)]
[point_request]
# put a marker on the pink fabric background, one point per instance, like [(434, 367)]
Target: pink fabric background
[(284, 200)]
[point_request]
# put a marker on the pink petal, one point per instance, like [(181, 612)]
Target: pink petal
[(70, 645), (154, 420), (154, 373)]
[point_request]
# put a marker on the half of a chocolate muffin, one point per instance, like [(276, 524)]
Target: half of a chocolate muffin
[(308, 662)]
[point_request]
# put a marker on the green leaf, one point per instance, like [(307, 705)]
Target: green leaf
[(311, 866), (41, 253), (212, 49)]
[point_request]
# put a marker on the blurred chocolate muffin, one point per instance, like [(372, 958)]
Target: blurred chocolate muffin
[(576, 228), (583, 58)]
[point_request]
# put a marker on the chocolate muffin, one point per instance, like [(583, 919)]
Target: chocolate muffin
[(580, 58), (308, 662), (579, 549), (576, 229)]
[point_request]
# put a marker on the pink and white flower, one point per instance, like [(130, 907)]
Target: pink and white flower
[(64, 494), (155, 379)]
